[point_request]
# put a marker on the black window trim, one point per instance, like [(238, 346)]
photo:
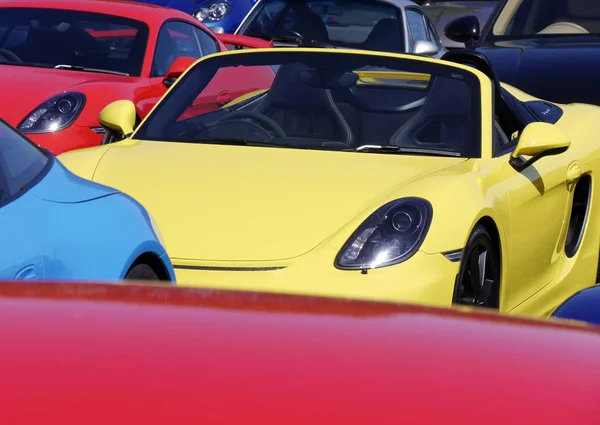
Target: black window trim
[(420, 12), (183, 21), (33, 182), (524, 115)]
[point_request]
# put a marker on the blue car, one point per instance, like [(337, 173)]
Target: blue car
[(57, 226), (583, 306), (219, 15)]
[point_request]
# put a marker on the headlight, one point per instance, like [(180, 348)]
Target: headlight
[(55, 114), (390, 235), (214, 11)]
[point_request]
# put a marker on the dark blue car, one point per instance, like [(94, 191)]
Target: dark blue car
[(583, 306), (219, 15)]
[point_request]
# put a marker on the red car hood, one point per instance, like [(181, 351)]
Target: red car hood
[(29, 87)]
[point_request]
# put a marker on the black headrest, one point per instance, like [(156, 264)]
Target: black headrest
[(311, 27), (386, 36), (288, 89)]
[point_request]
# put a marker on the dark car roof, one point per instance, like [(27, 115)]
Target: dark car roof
[(86, 353), (140, 11)]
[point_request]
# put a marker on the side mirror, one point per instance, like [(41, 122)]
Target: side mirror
[(217, 29), (426, 48), (118, 117), (464, 30), (178, 67), (539, 139)]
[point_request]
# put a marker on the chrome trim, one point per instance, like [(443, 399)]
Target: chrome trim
[(98, 130), (454, 255), (228, 269)]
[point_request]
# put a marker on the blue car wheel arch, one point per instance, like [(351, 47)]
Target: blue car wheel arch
[(68, 228)]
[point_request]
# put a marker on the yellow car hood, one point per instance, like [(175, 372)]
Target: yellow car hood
[(239, 203)]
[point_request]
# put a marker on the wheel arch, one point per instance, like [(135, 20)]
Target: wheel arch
[(494, 230), (154, 262)]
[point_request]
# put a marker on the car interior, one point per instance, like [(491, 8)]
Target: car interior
[(384, 33), (343, 107), (62, 40), (318, 108)]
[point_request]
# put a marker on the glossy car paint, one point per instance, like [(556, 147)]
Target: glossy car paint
[(33, 86), (66, 227), (239, 9), (559, 69), (583, 306), (295, 222), (140, 354), (442, 12)]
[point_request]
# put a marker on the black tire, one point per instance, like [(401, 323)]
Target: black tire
[(141, 272), (480, 254)]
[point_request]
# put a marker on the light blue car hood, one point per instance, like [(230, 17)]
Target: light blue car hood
[(62, 186)]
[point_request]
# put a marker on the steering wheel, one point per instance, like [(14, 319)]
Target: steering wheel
[(259, 118), (10, 55), (564, 28)]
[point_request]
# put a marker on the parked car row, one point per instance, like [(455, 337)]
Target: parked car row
[(336, 218), (166, 128)]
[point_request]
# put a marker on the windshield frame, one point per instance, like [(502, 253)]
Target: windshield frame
[(137, 55), (488, 36), (482, 92), (50, 158)]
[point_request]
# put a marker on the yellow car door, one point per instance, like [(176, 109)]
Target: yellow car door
[(539, 198)]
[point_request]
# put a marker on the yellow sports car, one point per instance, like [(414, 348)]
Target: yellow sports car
[(365, 175)]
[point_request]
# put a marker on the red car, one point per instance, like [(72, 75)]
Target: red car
[(63, 61), (119, 354)]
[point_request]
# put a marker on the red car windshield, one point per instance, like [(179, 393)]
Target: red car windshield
[(72, 39)]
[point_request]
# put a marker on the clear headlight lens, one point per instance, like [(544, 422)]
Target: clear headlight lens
[(55, 114), (390, 235), (213, 11)]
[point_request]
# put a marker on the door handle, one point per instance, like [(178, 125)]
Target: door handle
[(27, 273), (573, 172)]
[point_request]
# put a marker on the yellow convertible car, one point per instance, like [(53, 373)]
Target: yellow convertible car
[(365, 175)]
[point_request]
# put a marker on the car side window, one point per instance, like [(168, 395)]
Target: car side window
[(416, 23), (175, 39), (21, 162), (432, 33), (208, 45)]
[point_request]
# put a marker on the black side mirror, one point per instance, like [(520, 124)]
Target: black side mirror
[(464, 30)]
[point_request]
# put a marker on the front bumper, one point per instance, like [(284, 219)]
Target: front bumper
[(423, 279)]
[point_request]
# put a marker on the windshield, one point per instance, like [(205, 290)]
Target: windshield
[(21, 162), (325, 100), (534, 18), (51, 37), (358, 24)]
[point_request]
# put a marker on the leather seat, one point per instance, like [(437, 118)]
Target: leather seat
[(304, 111), (443, 122), (386, 36), (311, 27), (582, 13)]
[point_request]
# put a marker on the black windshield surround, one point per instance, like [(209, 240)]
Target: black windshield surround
[(374, 116)]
